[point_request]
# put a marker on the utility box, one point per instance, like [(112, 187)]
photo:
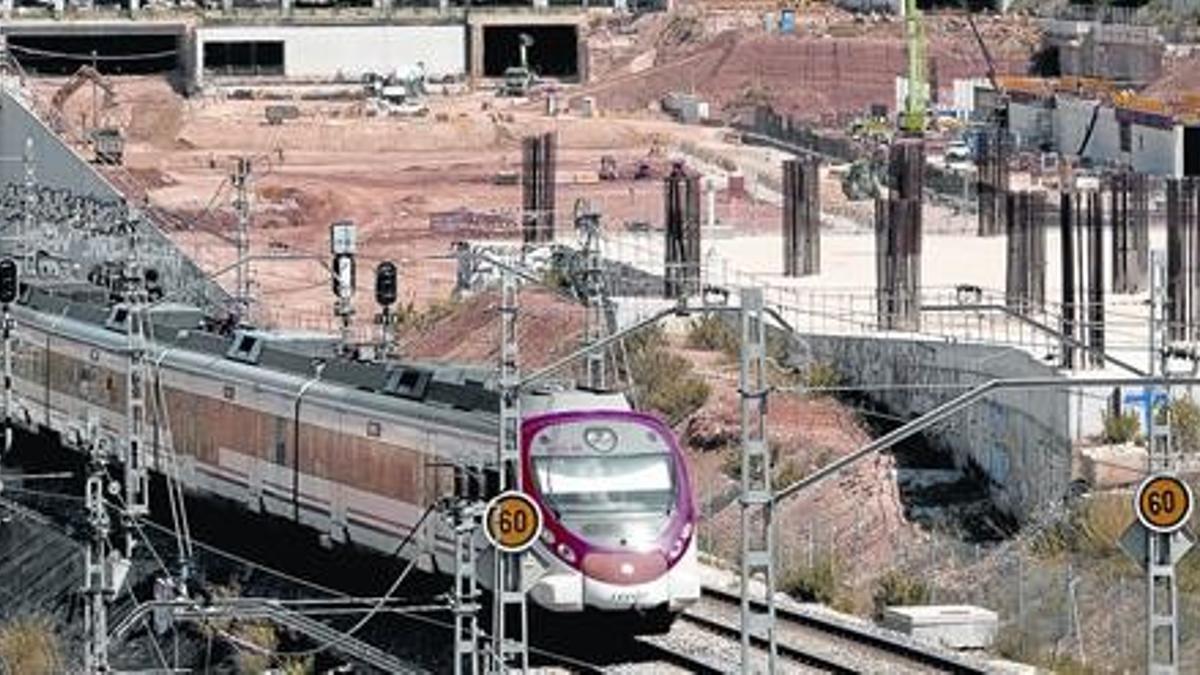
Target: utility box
[(953, 626)]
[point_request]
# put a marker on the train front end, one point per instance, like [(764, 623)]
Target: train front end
[(620, 520)]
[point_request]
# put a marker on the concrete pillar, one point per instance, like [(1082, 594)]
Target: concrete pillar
[(59, 7), (476, 46), (541, 4), (285, 8), (443, 6), (133, 7), (382, 6), (620, 6), (7, 11), (227, 6)]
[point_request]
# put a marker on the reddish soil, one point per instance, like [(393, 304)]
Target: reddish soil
[(854, 516), (835, 64)]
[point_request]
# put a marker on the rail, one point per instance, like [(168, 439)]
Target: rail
[(888, 645)]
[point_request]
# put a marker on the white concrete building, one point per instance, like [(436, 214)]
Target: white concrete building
[(327, 53), (1157, 143)]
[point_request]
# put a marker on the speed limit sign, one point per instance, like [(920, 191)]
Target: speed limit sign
[(1163, 502), (513, 521)]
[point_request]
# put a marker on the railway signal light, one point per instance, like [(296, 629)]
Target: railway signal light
[(8, 281), (386, 285)]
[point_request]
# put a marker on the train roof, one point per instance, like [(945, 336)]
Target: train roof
[(187, 327)]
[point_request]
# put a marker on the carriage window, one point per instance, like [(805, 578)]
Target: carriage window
[(280, 441), (373, 429)]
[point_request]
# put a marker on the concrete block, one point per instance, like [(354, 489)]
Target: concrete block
[(953, 626)]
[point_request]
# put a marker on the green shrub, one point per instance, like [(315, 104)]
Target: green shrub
[(711, 333), (821, 374), (816, 583), (30, 645), (1121, 428), (787, 472), (1185, 423), (1093, 528), (260, 634), (664, 380), (897, 588), (1099, 521)]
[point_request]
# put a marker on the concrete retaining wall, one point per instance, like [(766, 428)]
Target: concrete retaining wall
[(1019, 439)]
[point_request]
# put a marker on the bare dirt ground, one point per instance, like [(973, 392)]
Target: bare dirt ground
[(388, 175)]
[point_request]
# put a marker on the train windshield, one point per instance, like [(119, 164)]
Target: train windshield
[(576, 485), (611, 481)]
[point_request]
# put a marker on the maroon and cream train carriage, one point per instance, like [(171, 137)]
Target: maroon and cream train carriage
[(358, 451)]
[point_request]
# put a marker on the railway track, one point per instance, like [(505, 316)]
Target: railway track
[(807, 641)]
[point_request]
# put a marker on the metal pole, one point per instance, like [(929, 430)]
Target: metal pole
[(464, 519), (509, 653), (97, 569), (1162, 608), (8, 330), (241, 178), (756, 500)]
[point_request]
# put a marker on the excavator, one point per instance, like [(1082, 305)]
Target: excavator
[(107, 142)]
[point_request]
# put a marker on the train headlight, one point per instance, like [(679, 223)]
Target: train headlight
[(600, 439), (565, 553)]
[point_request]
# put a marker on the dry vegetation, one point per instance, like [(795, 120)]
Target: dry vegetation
[(30, 646)]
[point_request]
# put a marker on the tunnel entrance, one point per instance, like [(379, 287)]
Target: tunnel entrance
[(554, 52), (244, 58), (115, 54)]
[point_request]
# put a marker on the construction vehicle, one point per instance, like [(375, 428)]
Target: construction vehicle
[(608, 168), (643, 170), (108, 145), (395, 94), (518, 80), (277, 114), (81, 77)]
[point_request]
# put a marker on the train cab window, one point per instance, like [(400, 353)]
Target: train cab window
[(373, 429), (245, 348), (407, 383), (117, 318), (281, 441), (229, 392)]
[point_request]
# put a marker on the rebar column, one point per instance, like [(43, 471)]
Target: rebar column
[(1025, 265), (898, 238), (1093, 228), (537, 187), (1181, 258), (1130, 220), (681, 218), (801, 217), (992, 182), (1066, 230)]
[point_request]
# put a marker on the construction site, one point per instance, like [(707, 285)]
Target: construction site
[(696, 336)]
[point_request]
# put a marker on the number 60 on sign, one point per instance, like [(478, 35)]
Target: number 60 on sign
[(1163, 502), (512, 521)]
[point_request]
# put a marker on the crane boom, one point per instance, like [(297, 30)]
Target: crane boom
[(916, 101)]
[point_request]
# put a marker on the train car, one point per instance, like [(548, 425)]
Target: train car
[(361, 451)]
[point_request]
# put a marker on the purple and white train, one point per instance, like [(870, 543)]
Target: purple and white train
[(358, 451)]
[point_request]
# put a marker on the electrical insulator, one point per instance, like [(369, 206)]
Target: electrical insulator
[(385, 283)]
